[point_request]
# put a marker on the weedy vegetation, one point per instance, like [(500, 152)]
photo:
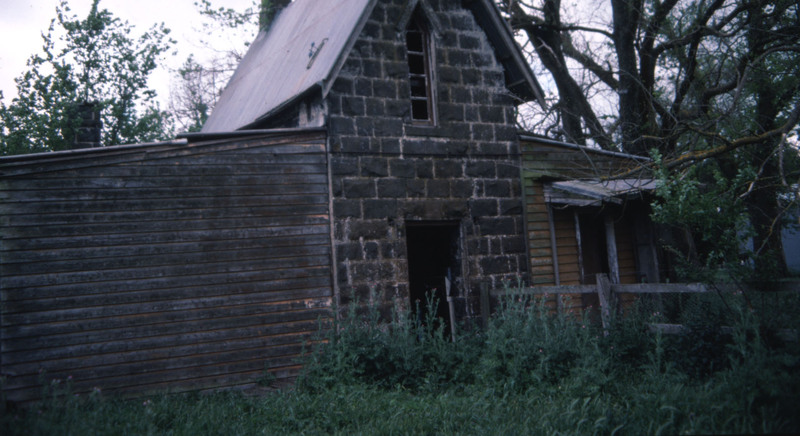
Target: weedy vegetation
[(529, 372)]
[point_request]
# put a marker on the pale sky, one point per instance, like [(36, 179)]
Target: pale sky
[(23, 21)]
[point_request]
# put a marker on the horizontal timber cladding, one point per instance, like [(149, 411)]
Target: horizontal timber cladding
[(163, 267)]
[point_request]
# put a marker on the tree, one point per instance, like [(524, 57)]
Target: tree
[(94, 59), (200, 82), (711, 86)]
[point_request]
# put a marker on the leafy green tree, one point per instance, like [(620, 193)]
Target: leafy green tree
[(711, 86), (94, 59)]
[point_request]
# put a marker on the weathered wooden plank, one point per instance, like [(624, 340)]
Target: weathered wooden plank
[(57, 187), (176, 271), (163, 322), (97, 230), (170, 237), (146, 216), (261, 277), (147, 204), (161, 347), (61, 345), (148, 250), (159, 370)]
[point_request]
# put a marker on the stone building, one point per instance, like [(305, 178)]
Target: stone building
[(419, 100)]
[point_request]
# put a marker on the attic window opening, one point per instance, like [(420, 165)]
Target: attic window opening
[(420, 67)]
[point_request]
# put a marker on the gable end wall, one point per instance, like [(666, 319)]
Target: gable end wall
[(387, 172)]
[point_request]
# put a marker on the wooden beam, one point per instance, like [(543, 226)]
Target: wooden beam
[(611, 249)]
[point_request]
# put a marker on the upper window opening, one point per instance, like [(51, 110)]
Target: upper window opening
[(418, 47)]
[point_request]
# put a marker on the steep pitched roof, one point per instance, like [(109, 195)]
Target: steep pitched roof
[(308, 42)]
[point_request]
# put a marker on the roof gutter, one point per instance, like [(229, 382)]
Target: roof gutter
[(526, 137)]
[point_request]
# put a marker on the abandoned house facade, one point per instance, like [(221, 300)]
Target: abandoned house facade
[(367, 147)]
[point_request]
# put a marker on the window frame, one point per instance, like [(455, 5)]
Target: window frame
[(417, 25)]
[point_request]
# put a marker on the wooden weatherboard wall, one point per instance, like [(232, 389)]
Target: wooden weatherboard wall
[(552, 239), (163, 267)]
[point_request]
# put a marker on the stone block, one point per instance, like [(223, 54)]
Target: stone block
[(402, 168), (339, 125), (480, 169), (365, 126), (395, 70), (353, 106), (463, 188), (513, 245), (469, 42), (438, 188), (355, 144), (374, 167), (449, 74), (371, 250), (449, 169), (377, 209), (363, 87), (346, 208), (424, 168), (495, 226), (492, 114), (454, 209), (482, 132), (507, 171), (391, 188), (415, 188), (497, 188), (511, 207), (400, 109), (451, 112), (390, 146), (367, 229), (496, 265), (472, 77), (359, 188), (388, 127), (342, 85), (344, 166), (349, 251), (371, 68), (483, 208), (385, 88), (374, 107), (457, 148), (505, 132)]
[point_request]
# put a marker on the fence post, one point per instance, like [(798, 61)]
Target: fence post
[(606, 300)]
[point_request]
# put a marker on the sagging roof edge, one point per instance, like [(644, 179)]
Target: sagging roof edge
[(183, 139), (533, 138), (87, 151)]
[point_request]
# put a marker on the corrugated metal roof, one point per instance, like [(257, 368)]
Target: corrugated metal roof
[(305, 46), (298, 52), (594, 193)]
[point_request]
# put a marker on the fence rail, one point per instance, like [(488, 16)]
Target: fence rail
[(606, 292)]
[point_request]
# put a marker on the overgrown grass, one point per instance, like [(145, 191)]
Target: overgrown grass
[(529, 372)]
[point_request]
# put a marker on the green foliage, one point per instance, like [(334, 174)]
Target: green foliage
[(84, 60), (530, 372), (708, 208)]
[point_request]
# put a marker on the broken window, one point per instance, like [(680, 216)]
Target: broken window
[(418, 47)]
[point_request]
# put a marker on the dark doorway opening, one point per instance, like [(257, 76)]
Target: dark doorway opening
[(434, 266), (593, 247), (594, 255)]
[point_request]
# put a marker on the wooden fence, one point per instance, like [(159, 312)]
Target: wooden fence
[(608, 293)]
